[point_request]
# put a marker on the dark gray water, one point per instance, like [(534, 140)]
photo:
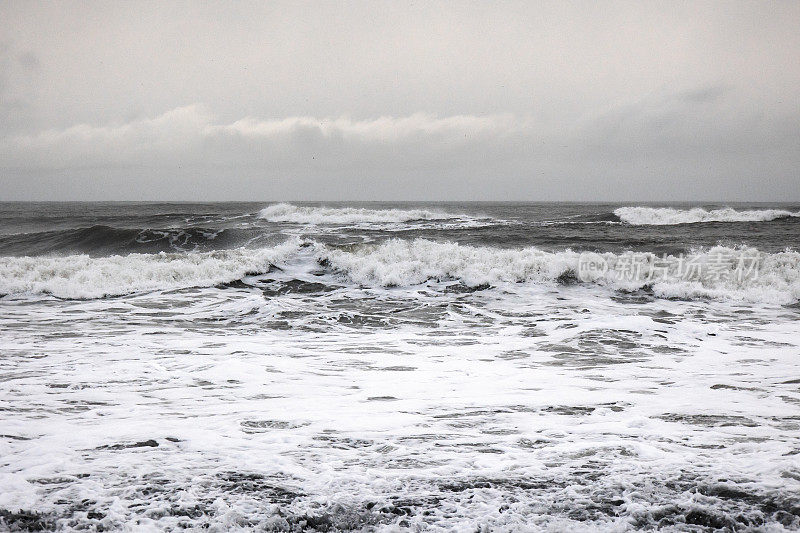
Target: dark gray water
[(118, 228), (386, 367)]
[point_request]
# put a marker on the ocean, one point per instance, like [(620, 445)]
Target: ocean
[(399, 366)]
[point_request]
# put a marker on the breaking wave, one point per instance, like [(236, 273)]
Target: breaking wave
[(773, 278), (346, 215), (663, 216), (714, 273), (82, 276)]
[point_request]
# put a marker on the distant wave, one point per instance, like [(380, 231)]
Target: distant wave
[(100, 239), (662, 216), (400, 263), (346, 215)]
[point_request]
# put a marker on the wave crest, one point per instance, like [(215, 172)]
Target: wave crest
[(404, 263), (407, 263), (106, 239), (664, 216), (81, 276), (345, 215)]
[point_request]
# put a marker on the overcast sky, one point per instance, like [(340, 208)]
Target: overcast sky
[(400, 101)]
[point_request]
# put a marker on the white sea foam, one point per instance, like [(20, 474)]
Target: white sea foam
[(663, 216), (346, 215), (531, 410)]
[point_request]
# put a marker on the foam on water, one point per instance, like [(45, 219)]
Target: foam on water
[(662, 216), (537, 410)]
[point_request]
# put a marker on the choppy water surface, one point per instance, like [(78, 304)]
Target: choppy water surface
[(394, 366)]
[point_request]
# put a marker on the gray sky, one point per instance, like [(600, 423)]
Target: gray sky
[(390, 100)]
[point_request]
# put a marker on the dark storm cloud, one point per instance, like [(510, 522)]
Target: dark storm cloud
[(366, 101)]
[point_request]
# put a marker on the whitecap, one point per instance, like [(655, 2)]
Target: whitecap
[(346, 215), (663, 216)]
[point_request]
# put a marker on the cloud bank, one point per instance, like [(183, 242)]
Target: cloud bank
[(190, 135), (672, 144)]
